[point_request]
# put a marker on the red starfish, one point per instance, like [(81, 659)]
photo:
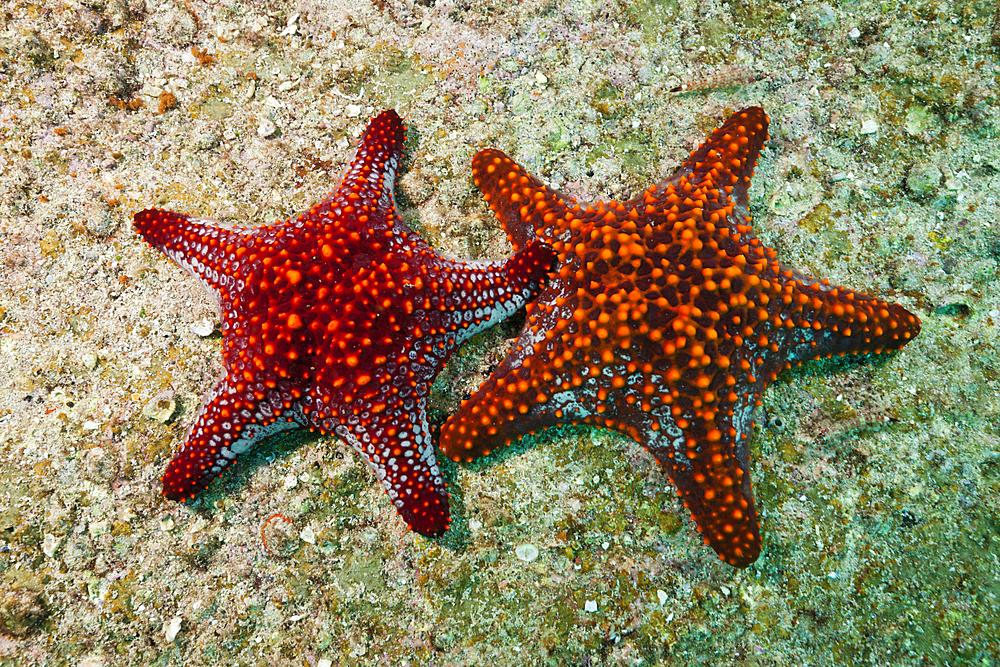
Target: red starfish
[(337, 321), (666, 321)]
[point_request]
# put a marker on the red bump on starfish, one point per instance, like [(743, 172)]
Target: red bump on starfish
[(665, 320), (337, 321)]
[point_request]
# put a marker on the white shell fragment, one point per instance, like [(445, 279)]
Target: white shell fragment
[(172, 627), (161, 407), (526, 552), (203, 327)]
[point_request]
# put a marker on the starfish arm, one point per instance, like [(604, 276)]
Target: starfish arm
[(726, 160), (491, 418), (388, 427), (478, 295), (823, 321), (717, 173), (201, 246), (706, 453), (366, 193), (229, 423), (544, 381), (524, 205)]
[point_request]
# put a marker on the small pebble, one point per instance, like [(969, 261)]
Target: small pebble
[(207, 141), (51, 245), (590, 606), (924, 179), (266, 129), (172, 627), (661, 595), (352, 111), (49, 544), (161, 407), (526, 552), (150, 90), (89, 360), (290, 27), (869, 126), (308, 535), (99, 220), (203, 327), (248, 91)]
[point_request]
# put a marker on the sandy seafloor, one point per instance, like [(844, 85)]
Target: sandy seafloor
[(877, 480)]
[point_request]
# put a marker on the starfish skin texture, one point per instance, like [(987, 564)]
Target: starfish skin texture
[(337, 321), (665, 320)]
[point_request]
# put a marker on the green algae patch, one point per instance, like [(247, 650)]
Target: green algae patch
[(653, 15)]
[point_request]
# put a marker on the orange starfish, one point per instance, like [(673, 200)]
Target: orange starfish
[(666, 320)]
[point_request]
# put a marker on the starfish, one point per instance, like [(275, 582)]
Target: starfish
[(665, 320), (337, 321)]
